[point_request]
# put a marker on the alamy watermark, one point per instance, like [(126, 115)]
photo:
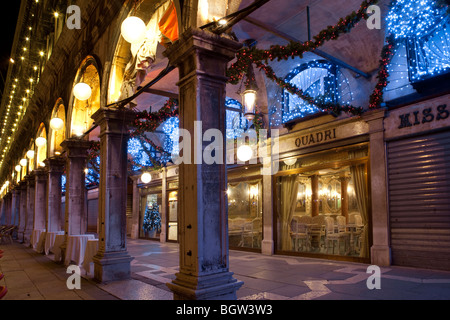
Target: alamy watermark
[(374, 281), (374, 20), (74, 281)]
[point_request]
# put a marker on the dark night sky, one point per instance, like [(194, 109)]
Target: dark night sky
[(8, 21)]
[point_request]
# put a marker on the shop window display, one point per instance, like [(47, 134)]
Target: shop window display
[(245, 214), (322, 204), (150, 217)]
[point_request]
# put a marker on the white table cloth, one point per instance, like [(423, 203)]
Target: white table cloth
[(59, 240), (35, 236), (91, 251), (76, 247), (41, 243), (50, 240)]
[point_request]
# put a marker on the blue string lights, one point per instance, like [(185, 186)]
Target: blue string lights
[(421, 30), (319, 79)]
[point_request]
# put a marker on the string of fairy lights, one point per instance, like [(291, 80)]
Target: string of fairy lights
[(417, 47), (25, 67)]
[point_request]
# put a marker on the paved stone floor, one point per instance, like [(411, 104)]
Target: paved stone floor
[(33, 276)]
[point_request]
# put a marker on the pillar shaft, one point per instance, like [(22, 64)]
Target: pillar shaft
[(202, 59), (29, 224), (380, 250), (112, 261), (22, 210), (15, 206), (55, 168), (8, 201), (75, 215), (40, 199)]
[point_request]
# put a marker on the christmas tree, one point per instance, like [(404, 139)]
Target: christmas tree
[(152, 219)]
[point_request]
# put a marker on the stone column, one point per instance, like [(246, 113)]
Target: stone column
[(40, 199), (202, 58), (30, 180), (15, 206), (112, 261), (380, 250), (22, 210), (55, 169), (267, 245), (7, 204), (76, 215), (135, 209)]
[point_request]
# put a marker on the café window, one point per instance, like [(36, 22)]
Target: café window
[(245, 214), (172, 194), (319, 79), (322, 204)]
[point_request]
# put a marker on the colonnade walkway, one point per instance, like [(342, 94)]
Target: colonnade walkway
[(34, 276)]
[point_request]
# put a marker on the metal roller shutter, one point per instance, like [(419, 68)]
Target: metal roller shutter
[(419, 201)]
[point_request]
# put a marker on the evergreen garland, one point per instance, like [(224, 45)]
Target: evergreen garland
[(261, 58)]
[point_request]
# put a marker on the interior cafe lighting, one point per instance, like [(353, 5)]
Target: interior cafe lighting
[(18, 168), (82, 91), (23, 162), (133, 29)]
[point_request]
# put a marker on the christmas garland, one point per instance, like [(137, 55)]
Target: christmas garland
[(387, 53), (149, 122), (296, 49)]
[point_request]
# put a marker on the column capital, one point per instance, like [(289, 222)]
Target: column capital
[(55, 164), (76, 148), (22, 185), (30, 177), (40, 174), (209, 46), (194, 39), (122, 115)]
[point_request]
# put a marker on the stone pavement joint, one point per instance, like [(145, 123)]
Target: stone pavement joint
[(30, 275)]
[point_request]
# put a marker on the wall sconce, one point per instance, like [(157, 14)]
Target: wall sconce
[(18, 168), (290, 162), (23, 162)]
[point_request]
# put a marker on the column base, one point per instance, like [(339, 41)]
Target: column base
[(112, 266), (27, 239), (220, 286), (381, 256), (267, 247)]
